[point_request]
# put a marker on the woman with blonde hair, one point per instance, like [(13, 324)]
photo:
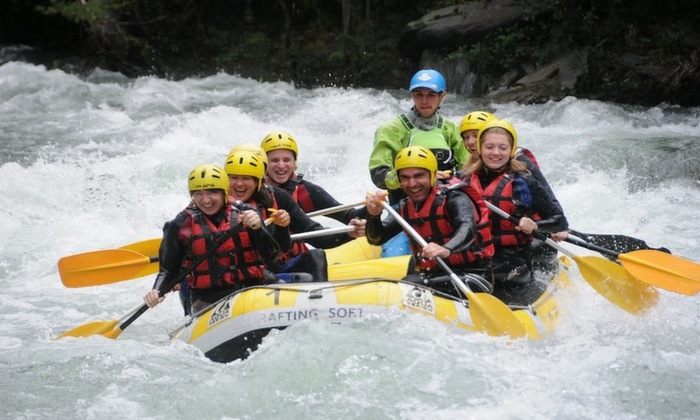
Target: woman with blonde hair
[(506, 183)]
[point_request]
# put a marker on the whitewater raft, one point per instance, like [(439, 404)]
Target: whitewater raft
[(234, 327)]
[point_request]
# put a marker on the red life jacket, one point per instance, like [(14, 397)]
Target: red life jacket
[(432, 223), (484, 236), (500, 193), (301, 195), (233, 262)]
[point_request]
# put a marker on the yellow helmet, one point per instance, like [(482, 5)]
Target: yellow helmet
[(250, 147), (245, 163), (475, 120), (417, 157), (280, 140), (503, 124), (208, 177)]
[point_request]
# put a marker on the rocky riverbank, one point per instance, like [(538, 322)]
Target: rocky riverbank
[(529, 51), (642, 76)]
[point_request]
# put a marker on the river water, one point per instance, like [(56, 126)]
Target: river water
[(100, 161)]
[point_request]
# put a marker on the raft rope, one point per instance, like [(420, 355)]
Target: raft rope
[(317, 293)]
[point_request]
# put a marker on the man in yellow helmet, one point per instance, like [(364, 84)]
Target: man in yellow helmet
[(283, 154), (238, 262), (453, 219)]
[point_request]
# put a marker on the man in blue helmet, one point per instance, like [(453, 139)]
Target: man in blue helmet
[(421, 126)]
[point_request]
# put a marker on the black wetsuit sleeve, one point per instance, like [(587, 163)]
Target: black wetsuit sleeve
[(281, 236), (543, 203), (172, 251), (378, 176), (300, 222), (379, 231), (266, 244), (460, 210), (321, 199), (538, 175)]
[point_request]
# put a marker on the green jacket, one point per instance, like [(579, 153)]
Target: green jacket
[(395, 135)]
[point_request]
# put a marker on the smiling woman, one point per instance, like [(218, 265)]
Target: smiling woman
[(506, 183), (240, 261)]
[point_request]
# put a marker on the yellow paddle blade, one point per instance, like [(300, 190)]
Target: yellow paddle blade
[(113, 333), (92, 328), (148, 248), (356, 250), (493, 316), (101, 267), (617, 285), (394, 268), (663, 270)]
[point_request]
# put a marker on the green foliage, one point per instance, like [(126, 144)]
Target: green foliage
[(350, 42), (506, 49), (88, 12)]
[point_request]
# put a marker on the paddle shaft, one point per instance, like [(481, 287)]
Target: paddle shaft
[(583, 244), (618, 243), (321, 232), (539, 235)]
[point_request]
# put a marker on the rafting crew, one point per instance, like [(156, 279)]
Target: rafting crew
[(507, 183), (246, 171), (453, 219), (240, 261)]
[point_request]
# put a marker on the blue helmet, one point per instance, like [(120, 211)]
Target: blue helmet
[(431, 79)]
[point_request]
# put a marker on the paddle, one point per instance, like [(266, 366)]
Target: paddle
[(607, 278), (616, 243), (488, 313), (654, 267), (104, 267), (112, 329), (321, 232), (97, 327)]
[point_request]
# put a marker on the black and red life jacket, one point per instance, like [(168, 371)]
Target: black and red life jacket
[(235, 261), (301, 195), (432, 223), (500, 193)]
